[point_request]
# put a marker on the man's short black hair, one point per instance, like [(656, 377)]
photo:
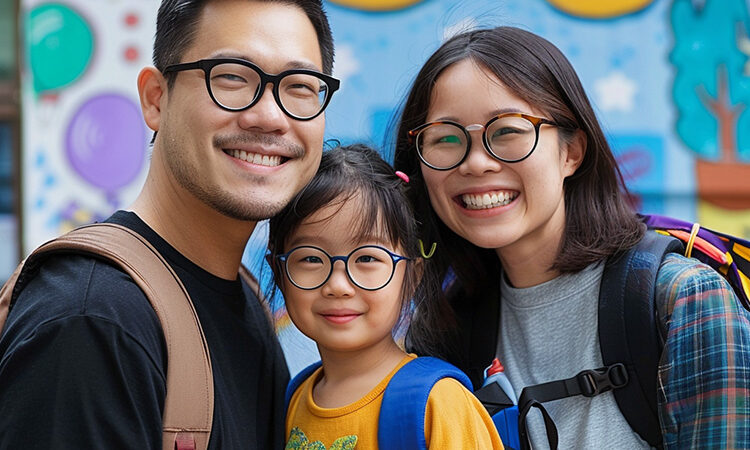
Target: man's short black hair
[(177, 23)]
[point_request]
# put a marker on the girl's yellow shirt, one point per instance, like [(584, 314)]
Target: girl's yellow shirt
[(454, 419)]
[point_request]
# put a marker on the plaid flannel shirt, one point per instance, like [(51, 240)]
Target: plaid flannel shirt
[(704, 372)]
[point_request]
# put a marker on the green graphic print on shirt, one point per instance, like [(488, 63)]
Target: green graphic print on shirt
[(298, 441)]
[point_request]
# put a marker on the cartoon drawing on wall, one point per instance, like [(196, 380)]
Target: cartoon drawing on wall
[(60, 46), (377, 5), (597, 9), (103, 143), (711, 93), (641, 161)]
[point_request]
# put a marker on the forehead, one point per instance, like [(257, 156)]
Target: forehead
[(342, 222), (466, 90), (276, 36)]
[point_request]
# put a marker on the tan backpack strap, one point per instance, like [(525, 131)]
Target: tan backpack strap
[(6, 294), (189, 405)]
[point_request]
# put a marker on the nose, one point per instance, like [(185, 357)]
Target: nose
[(478, 161), (265, 115), (338, 284)]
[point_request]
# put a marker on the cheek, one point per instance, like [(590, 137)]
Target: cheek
[(433, 180), (311, 134), (295, 303)]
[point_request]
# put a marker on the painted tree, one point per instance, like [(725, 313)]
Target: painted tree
[(712, 83)]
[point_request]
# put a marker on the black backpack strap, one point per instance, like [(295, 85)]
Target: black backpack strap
[(587, 383), (628, 329)]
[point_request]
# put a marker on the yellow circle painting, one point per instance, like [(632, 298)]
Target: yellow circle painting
[(377, 5), (597, 9)]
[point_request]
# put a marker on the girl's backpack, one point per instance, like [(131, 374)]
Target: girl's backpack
[(401, 420)]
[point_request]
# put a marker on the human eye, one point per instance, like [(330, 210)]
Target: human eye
[(311, 259), (229, 76), (449, 139), (507, 130), (300, 85), (366, 259), (442, 137), (368, 256)]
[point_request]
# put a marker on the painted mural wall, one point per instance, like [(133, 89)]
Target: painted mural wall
[(670, 80)]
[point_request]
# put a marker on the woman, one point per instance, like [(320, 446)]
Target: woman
[(513, 178)]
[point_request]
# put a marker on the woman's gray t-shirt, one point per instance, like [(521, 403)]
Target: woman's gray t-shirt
[(550, 332)]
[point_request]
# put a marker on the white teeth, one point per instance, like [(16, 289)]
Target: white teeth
[(488, 200), (255, 158)]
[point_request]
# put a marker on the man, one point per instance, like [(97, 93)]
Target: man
[(82, 355)]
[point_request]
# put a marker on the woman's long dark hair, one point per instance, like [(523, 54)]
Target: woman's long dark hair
[(599, 222), (358, 172)]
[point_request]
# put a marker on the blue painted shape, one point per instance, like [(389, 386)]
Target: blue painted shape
[(641, 161)]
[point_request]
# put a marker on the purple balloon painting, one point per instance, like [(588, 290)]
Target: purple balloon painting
[(106, 142)]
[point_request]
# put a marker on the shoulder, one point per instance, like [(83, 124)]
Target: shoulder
[(454, 418), (448, 390), (73, 287), (686, 283)]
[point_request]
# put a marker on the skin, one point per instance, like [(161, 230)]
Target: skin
[(351, 326), (197, 196), (525, 233)]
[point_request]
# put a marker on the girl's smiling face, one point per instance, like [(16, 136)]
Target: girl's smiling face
[(338, 315), (528, 216)]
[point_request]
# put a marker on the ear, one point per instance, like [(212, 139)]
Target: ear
[(152, 90), (574, 152)]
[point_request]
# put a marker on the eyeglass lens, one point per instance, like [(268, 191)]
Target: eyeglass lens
[(444, 145), (368, 267), (235, 86)]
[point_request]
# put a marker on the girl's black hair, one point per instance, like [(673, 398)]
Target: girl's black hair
[(357, 172), (599, 221)]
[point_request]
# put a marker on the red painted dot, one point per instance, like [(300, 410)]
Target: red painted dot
[(131, 53), (131, 19)]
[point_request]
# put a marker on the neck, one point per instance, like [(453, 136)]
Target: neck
[(208, 238), (349, 376)]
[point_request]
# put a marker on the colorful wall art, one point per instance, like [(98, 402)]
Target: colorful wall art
[(670, 80)]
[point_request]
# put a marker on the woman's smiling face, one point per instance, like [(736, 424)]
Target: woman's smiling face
[(490, 203)]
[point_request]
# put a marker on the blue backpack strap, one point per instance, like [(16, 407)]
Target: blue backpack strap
[(298, 379), (401, 422), (628, 329)]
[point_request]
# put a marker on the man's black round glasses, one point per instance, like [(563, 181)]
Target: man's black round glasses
[(236, 84)]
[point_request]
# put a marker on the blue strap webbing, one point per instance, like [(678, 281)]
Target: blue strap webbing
[(297, 380), (401, 422)]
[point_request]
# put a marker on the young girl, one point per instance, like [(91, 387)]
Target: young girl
[(512, 176), (344, 254)]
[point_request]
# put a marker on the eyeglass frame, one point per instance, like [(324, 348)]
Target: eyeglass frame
[(208, 64), (395, 258), (537, 122)]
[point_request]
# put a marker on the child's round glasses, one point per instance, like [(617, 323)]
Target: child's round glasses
[(510, 138), (369, 267), (236, 85)]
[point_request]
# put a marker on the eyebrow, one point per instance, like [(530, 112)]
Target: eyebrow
[(321, 241), (295, 64), (493, 113)]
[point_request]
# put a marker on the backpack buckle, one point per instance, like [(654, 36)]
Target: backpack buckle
[(594, 382)]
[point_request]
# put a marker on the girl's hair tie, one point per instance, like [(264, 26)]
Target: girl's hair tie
[(432, 250), (403, 176)]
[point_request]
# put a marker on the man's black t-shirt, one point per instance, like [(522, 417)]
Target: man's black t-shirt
[(83, 359)]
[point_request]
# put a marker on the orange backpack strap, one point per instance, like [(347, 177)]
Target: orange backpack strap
[(189, 405)]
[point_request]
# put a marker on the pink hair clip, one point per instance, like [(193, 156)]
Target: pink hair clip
[(403, 176)]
